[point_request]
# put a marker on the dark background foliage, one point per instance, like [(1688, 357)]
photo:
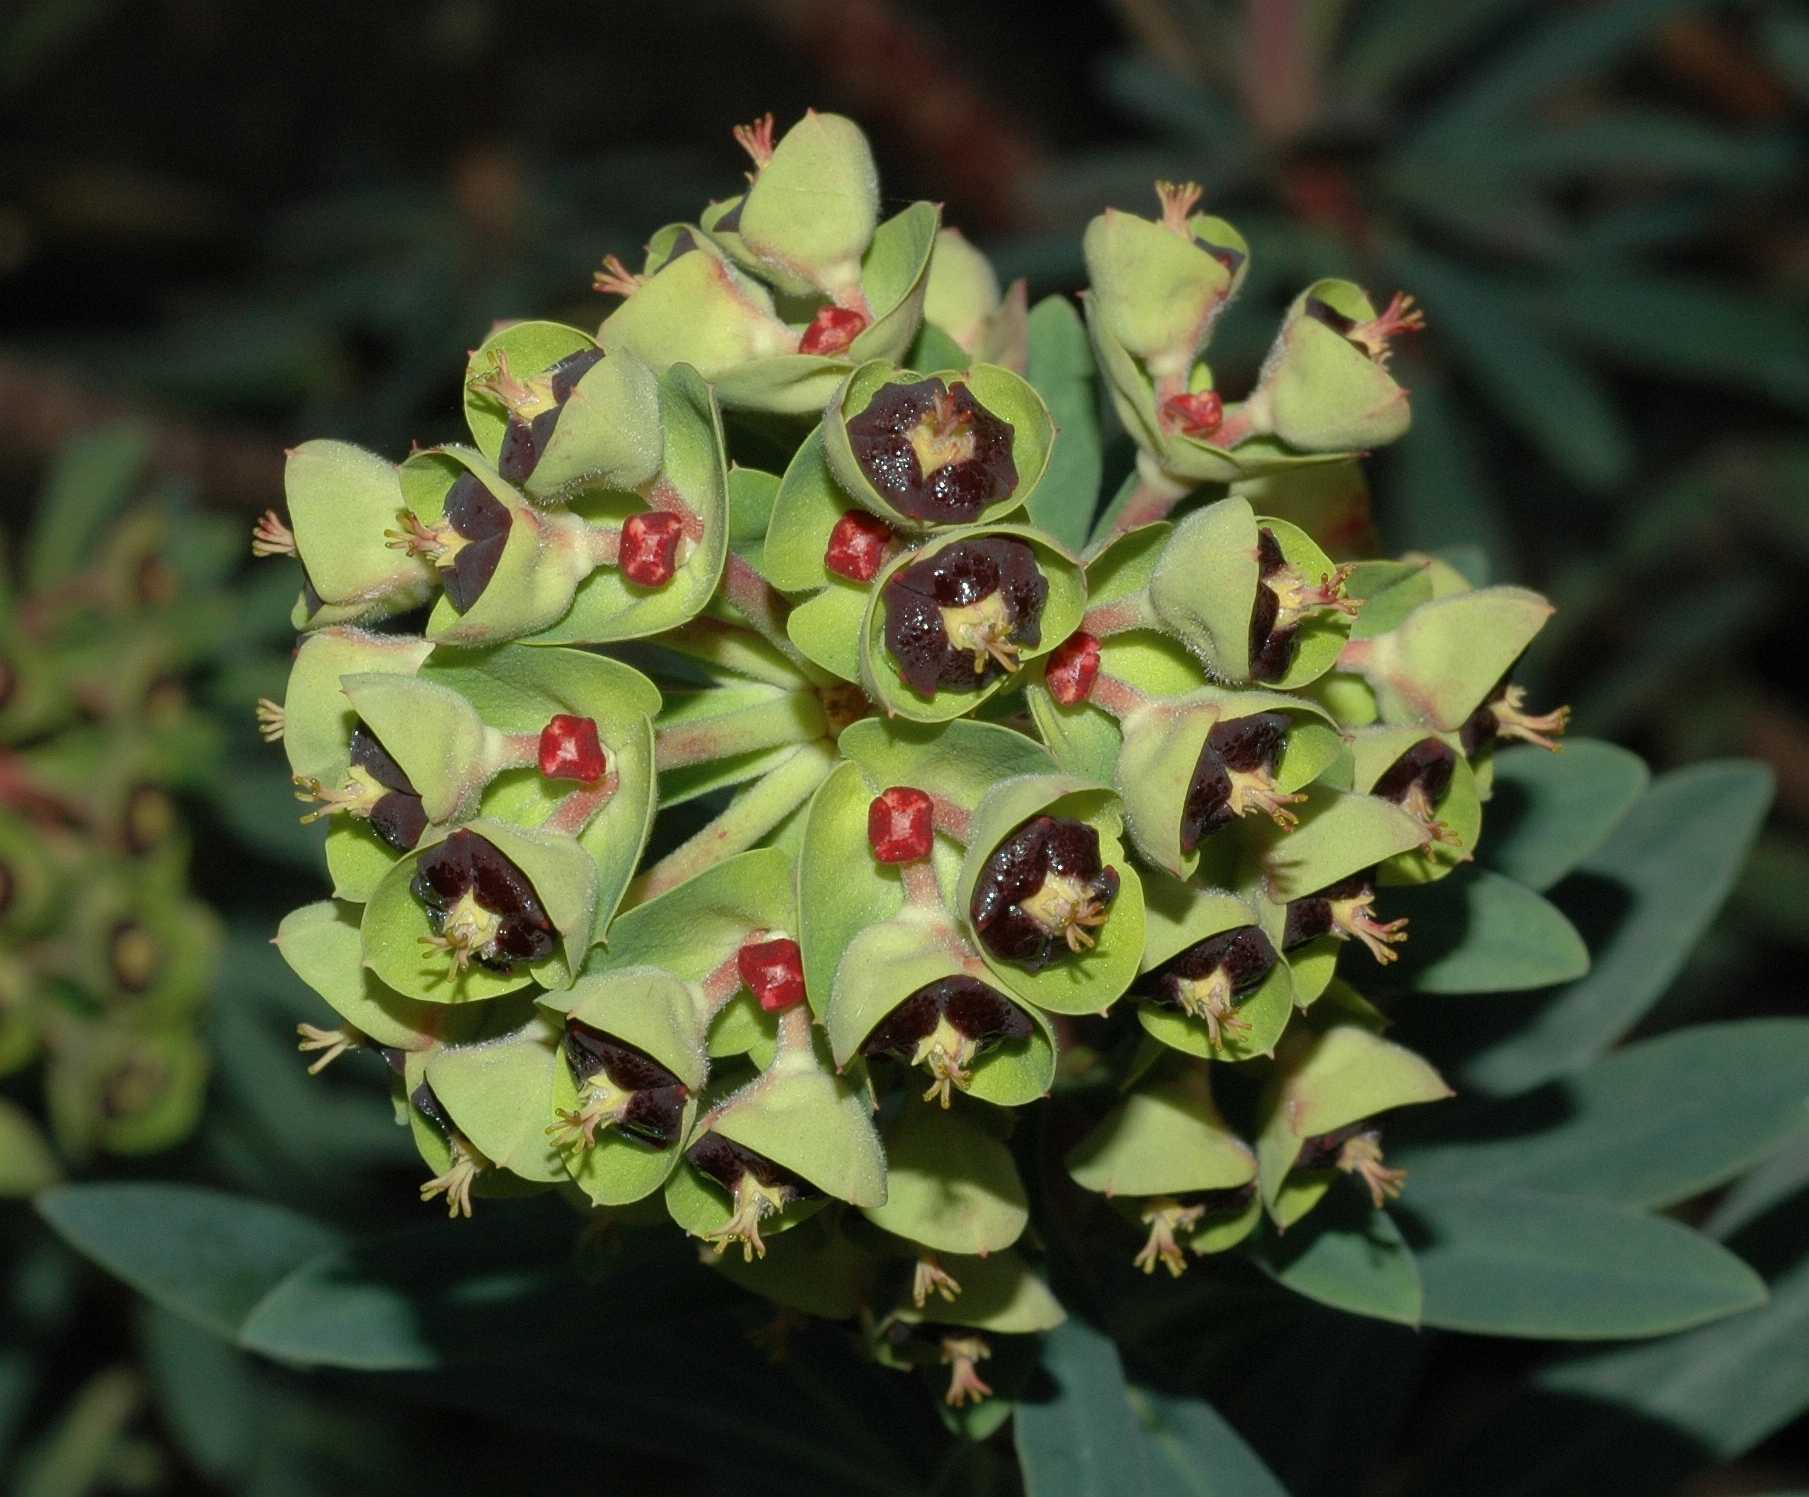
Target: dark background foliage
[(244, 224)]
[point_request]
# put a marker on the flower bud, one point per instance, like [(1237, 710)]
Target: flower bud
[(1160, 285), (811, 210)]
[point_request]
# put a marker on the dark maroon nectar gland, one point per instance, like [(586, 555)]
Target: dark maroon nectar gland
[(619, 1086), (1344, 910), (374, 789), (934, 451), (465, 545), (757, 1187), (1504, 715), (960, 617), (1235, 775), (1043, 893), (532, 405), (481, 906), (1284, 599), (943, 1027), (1356, 1150), (1210, 977), (1418, 781)]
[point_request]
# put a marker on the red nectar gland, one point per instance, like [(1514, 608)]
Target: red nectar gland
[(570, 750), (832, 330), (1073, 668), (857, 546), (901, 825), (649, 554), (773, 971), (1194, 415)]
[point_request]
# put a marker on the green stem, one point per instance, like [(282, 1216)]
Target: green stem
[(748, 818), (735, 648), (688, 736), (765, 607)]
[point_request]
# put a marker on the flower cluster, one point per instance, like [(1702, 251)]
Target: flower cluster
[(767, 804), (106, 960)]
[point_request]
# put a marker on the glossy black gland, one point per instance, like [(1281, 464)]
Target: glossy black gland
[(467, 863), (1428, 764), (656, 1107), (397, 817), (1325, 313), (1311, 917), (976, 1011), (1271, 649), (428, 1105), (1247, 745), (960, 576), (726, 1161), (1244, 954), (1042, 848), (1322, 1150), (525, 442), (1481, 728), (483, 521), (953, 493)]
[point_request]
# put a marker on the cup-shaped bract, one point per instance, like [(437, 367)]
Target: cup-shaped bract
[(341, 499), (1327, 1080), (1325, 385), (924, 451), (1213, 981), (1047, 895), (556, 418), (948, 625), (1193, 767), (951, 1185)]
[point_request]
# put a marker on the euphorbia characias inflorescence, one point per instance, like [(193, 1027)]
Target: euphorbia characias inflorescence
[(978, 807)]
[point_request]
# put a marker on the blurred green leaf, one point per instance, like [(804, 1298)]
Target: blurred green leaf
[(74, 1456), (26, 1162), (1559, 407), (1643, 899), (1394, 40), (1688, 328), (1438, 490), (1096, 1436), (1480, 932), (90, 483), (1555, 52), (206, 1391), (1347, 1256), (1508, 1262), (1550, 811), (1653, 1413), (1650, 1125), (1780, 1178), (203, 1254)]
